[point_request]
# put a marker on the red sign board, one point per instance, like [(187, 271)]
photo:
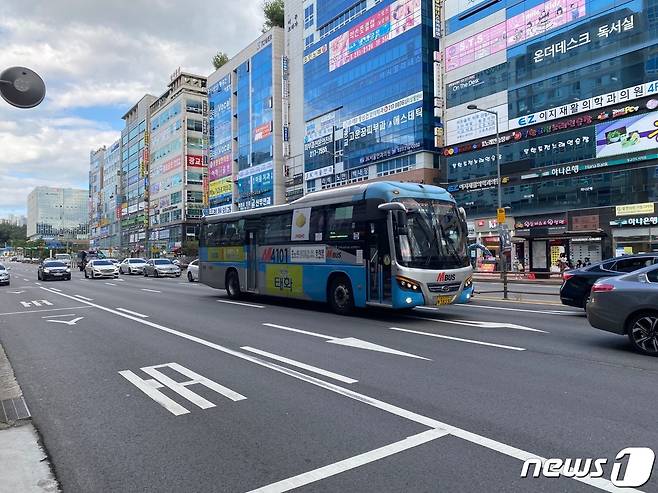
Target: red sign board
[(195, 160)]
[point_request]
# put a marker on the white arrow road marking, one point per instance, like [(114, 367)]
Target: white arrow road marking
[(28, 304), (503, 448), (353, 342), (348, 341), (458, 339), (67, 322), (486, 325), (351, 463), (319, 371)]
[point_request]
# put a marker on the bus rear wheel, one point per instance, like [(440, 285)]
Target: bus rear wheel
[(341, 297), (233, 285)]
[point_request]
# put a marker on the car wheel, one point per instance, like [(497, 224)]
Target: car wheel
[(233, 285), (86, 275), (38, 276), (586, 302), (156, 273), (642, 330), (189, 277), (340, 295)]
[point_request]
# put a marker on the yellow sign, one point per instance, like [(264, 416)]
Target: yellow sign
[(284, 280), (500, 215), (226, 254), (220, 187), (631, 209)]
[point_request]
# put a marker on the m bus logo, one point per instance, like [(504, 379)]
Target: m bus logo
[(631, 468), (443, 277)]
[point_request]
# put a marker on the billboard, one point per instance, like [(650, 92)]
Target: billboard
[(633, 134), (384, 25), (542, 19)]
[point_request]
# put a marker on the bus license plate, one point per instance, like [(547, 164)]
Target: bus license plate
[(444, 300)]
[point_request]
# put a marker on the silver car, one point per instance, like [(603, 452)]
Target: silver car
[(628, 305), (99, 268), (5, 278), (132, 266), (159, 267)]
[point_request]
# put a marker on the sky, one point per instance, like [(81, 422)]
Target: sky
[(97, 60)]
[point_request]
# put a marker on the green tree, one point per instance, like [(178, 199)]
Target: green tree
[(190, 248), (273, 10), (219, 59)]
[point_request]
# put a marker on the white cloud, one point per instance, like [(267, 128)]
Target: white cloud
[(99, 54)]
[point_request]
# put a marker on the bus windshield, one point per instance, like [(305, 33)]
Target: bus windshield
[(434, 238)]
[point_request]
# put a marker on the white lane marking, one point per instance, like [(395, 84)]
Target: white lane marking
[(110, 284), (83, 297), (55, 316), (67, 322), (351, 463), (548, 312), (132, 313), (46, 310), (120, 280), (319, 371), (484, 325), (16, 292), (55, 289), (151, 290), (458, 339), (314, 334), (240, 303), (489, 443), (149, 387), (349, 341), (38, 283), (27, 280)]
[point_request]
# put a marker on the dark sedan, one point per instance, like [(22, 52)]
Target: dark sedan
[(53, 269), (577, 283), (628, 304)]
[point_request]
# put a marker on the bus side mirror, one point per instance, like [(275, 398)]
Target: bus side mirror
[(402, 224), (462, 213)]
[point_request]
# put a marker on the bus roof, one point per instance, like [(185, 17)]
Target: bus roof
[(383, 190)]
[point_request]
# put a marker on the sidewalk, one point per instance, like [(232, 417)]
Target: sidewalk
[(25, 467)]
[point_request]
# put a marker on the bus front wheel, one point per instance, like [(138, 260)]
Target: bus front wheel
[(233, 285), (341, 297)]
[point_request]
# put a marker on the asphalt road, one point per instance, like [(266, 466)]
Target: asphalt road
[(282, 394)]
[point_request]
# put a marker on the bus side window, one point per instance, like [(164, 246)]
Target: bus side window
[(316, 228), (276, 229)]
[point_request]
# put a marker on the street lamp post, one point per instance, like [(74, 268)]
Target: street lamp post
[(503, 259)]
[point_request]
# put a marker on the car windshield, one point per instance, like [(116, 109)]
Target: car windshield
[(102, 262), (434, 238), (62, 256), (54, 264), (162, 261), (136, 261)]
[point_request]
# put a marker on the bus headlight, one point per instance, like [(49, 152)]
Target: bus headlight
[(408, 284), (468, 282)]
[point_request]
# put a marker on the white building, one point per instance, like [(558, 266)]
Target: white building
[(57, 214)]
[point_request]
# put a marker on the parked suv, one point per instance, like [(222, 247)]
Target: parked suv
[(577, 283)]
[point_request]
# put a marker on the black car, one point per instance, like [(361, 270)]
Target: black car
[(577, 283), (53, 269)]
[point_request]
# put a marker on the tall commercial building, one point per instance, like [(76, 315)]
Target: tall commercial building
[(176, 162), (247, 99), (96, 165), (58, 215), (369, 91), (134, 178), (574, 84), (14, 220)]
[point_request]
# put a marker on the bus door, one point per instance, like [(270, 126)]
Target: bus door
[(379, 263), (252, 261)]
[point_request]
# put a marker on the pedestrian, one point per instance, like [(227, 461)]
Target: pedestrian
[(586, 262), (579, 264)]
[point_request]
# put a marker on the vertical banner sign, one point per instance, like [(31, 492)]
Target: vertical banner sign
[(436, 9), (147, 157), (285, 90)]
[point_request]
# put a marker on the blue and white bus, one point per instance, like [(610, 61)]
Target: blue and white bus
[(392, 244)]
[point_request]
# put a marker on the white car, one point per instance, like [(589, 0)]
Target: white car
[(98, 268), (64, 257), (193, 271), (4, 275), (132, 266)]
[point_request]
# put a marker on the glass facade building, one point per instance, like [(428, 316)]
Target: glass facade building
[(176, 162), (105, 167), (57, 214), (245, 150), (369, 92), (574, 84)]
